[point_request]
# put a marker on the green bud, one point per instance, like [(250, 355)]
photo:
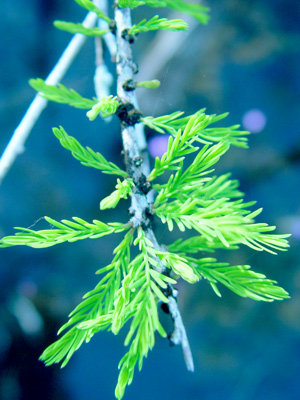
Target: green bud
[(154, 84), (110, 201), (94, 112), (123, 190), (106, 106)]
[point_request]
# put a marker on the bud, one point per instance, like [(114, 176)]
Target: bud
[(149, 84)]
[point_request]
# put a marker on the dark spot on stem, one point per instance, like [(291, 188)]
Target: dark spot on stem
[(144, 186), (138, 161), (127, 36), (165, 308), (128, 115), (129, 85), (113, 26)]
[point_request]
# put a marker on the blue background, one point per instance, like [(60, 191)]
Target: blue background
[(246, 58)]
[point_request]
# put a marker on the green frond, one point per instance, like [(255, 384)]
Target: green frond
[(232, 133), (143, 342), (79, 28), (203, 188), (171, 123), (115, 301), (197, 244), (221, 187), (94, 313), (228, 222), (67, 231), (87, 156), (138, 296), (163, 123), (60, 94), (194, 9), (156, 23), (90, 6), (181, 144), (179, 147), (190, 183), (130, 3), (240, 279), (155, 3)]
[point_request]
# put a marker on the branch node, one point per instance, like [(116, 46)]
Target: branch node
[(138, 161), (144, 186), (127, 36), (129, 85), (171, 341), (113, 26), (128, 114)]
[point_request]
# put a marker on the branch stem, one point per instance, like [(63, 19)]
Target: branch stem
[(135, 148)]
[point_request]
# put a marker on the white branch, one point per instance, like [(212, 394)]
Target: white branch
[(179, 336), (108, 38), (20, 135), (103, 79)]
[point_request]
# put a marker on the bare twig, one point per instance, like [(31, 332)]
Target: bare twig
[(108, 38), (16, 143), (133, 156), (103, 79), (179, 335)]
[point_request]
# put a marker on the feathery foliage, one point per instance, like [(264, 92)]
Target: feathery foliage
[(240, 279), (79, 28), (156, 23), (90, 6), (130, 3), (86, 155), (195, 10), (95, 312), (61, 94), (171, 124), (192, 197), (66, 231)]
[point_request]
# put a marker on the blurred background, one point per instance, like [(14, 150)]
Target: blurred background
[(245, 61)]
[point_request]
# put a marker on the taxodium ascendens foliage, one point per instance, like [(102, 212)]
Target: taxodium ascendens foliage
[(192, 198)]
